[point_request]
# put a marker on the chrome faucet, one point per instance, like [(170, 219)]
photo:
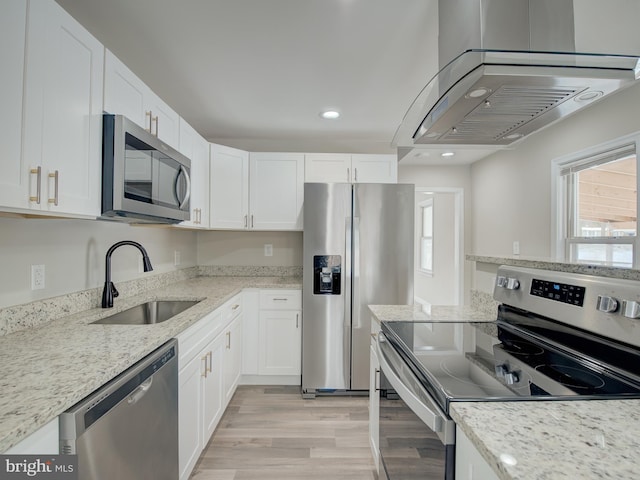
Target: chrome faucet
[(109, 291)]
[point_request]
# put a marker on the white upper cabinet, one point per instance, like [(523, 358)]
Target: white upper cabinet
[(256, 191), (196, 148), (276, 182), (126, 94), (346, 168), (327, 167), (229, 188), (62, 137), (14, 181)]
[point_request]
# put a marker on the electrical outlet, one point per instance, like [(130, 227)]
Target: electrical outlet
[(176, 257), (268, 250), (37, 277), (516, 248)]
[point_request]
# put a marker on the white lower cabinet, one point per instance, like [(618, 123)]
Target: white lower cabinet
[(208, 375), (469, 463), (374, 397), (232, 362), (272, 337)]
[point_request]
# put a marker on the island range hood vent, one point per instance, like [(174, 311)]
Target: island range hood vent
[(507, 69)]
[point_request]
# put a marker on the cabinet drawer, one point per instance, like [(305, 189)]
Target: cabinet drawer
[(280, 300), (231, 309), (194, 338)]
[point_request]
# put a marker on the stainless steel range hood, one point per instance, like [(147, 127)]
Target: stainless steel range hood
[(508, 69)]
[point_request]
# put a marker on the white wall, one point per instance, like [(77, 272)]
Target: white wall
[(511, 194), (247, 248), (458, 176), (73, 252)]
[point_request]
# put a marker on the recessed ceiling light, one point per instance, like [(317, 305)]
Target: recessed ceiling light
[(589, 96), (447, 154), (513, 136), (330, 114), (421, 154)]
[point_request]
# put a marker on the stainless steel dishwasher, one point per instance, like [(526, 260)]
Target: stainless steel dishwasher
[(128, 429)]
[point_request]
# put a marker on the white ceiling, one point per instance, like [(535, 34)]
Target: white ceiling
[(255, 74)]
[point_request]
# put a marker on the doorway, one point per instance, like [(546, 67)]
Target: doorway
[(439, 220)]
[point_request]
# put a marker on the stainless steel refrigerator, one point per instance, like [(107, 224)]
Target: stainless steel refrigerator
[(357, 251)]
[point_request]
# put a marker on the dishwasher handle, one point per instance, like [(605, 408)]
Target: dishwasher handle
[(414, 396), (140, 392)]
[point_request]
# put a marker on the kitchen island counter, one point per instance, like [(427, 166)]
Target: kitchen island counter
[(531, 440), (47, 369)]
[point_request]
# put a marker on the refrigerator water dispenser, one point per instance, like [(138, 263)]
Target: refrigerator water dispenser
[(326, 274)]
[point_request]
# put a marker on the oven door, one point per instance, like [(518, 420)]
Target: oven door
[(417, 439)]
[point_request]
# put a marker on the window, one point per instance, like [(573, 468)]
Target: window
[(600, 206), (426, 238)]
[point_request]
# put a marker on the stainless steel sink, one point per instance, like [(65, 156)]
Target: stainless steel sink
[(157, 311)]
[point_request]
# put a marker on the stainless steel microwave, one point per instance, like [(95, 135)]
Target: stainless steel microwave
[(143, 179)]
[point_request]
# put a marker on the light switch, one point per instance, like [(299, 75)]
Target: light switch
[(268, 250)]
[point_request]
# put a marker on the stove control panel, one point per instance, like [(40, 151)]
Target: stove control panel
[(560, 292)]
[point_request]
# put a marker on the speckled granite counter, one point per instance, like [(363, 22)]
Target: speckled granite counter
[(434, 313), (557, 265), (589, 440), (45, 370)]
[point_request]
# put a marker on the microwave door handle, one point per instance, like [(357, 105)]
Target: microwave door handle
[(188, 192)]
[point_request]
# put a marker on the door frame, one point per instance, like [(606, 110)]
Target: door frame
[(458, 235)]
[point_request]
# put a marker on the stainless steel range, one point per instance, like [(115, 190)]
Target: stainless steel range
[(557, 336)]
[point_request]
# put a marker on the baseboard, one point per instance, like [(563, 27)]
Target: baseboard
[(270, 380)]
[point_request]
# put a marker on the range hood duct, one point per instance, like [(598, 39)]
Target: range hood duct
[(507, 69)]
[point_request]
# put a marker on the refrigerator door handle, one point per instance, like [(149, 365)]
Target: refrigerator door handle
[(355, 275), (348, 291)]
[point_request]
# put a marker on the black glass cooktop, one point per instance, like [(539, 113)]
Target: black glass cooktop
[(517, 357)]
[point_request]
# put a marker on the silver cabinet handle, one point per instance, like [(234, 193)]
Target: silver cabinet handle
[(55, 175), (355, 174), (297, 319), (157, 120), (251, 221), (348, 175), (280, 299), (228, 340), (210, 355), (376, 380), (204, 359), (150, 115), (235, 307), (245, 221), (38, 173)]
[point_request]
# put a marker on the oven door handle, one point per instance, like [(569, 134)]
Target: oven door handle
[(415, 397)]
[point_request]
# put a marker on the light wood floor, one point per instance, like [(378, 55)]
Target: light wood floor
[(272, 433)]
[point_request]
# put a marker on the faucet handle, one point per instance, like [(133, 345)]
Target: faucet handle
[(114, 291)]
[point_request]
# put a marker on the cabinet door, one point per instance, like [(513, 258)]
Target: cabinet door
[(374, 168), (196, 148), (229, 188), (165, 122), (276, 182), (124, 92), (190, 414), (327, 167), (232, 358), (63, 109), (470, 465), (374, 403), (14, 181), (280, 342), (212, 403)]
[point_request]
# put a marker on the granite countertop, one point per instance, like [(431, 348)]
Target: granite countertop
[(557, 265), (589, 440), (46, 370), (429, 313)]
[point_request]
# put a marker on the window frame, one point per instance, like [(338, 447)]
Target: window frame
[(427, 203), (564, 209)]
